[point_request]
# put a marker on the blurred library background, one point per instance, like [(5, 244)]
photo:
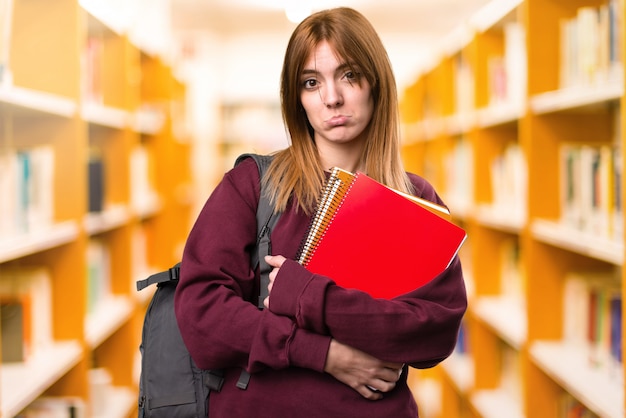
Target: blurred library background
[(117, 118)]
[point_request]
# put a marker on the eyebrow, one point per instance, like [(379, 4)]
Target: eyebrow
[(307, 71), (340, 68)]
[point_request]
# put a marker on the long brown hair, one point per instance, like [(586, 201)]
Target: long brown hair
[(298, 169)]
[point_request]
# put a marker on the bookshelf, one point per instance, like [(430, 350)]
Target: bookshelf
[(518, 125), (95, 185)]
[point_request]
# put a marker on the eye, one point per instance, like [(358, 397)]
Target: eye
[(310, 84), (352, 76)]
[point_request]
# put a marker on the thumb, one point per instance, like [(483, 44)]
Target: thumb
[(271, 260), (274, 260)]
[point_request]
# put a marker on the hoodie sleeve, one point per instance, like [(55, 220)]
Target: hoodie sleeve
[(215, 300), (419, 328)]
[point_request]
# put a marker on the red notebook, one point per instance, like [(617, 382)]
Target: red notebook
[(367, 236)]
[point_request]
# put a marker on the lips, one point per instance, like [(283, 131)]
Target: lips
[(339, 120)]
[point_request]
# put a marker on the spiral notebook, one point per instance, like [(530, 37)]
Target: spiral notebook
[(367, 236)]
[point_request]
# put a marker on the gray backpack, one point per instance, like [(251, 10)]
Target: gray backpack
[(170, 384)]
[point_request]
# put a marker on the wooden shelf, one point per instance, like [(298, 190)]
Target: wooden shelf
[(495, 125), (499, 219), (109, 315), (460, 369), (501, 114), (460, 123), (576, 98), (21, 383), (36, 241), (114, 217), (105, 116), (121, 404), (148, 207), (505, 315), (99, 99), (148, 121), (568, 365), (491, 403), (590, 245), (23, 100)]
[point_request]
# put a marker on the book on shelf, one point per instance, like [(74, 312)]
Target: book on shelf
[(511, 372), (55, 407), (26, 189), (590, 45), (507, 73), (35, 186), (143, 194), (512, 273), (367, 236), (591, 189), (615, 330), (509, 182), (6, 19), (8, 192), (92, 61), (616, 32), (497, 80), (100, 387), (462, 342), (98, 273), (14, 327), (616, 209), (570, 407), (458, 174), (463, 85), (515, 63), (604, 329), (96, 184), (592, 317), (26, 299)]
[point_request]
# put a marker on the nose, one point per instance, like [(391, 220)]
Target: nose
[(332, 95)]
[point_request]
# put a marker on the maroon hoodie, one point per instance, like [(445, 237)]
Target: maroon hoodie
[(285, 347)]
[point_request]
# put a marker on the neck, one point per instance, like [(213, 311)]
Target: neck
[(345, 156)]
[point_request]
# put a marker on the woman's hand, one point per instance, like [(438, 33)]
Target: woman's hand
[(367, 375), (275, 261)]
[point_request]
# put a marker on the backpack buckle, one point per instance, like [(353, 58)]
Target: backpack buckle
[(214, 380), (175, 272)]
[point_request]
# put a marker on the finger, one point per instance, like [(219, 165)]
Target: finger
[(275, 260), (387, 386), (381, 386), (369, 393), (266, 302), (389, 375)]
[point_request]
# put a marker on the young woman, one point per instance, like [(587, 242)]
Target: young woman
[(317, 350)]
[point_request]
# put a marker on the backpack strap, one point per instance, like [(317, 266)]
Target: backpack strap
[(266, 218), (171, 274)]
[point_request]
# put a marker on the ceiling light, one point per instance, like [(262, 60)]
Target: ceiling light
[(297, 11)]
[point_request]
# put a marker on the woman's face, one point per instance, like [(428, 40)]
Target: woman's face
[(337, 99)]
